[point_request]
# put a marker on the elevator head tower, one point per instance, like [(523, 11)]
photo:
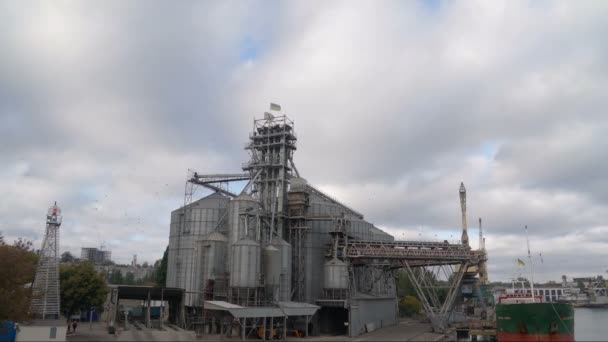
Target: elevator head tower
[(271, 147)]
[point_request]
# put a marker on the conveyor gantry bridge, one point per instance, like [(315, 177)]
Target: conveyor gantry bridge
[(428, 253), (431, 266)]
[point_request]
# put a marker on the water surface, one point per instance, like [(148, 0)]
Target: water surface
[(590, 324)]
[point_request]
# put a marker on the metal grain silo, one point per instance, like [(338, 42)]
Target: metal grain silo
[(285, 268), (212, 260), (277, 268), (239, 208), (188, 225), (245, 264), (272, 266), (336, 274)]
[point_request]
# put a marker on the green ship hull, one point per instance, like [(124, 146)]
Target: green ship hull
[(535, 322)]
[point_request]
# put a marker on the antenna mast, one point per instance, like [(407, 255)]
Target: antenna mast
[(531, 265)]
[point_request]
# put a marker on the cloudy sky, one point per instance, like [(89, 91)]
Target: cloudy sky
[(105, 105)]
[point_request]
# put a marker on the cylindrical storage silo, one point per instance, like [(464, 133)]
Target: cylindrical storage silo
[(212, 259), (272, 265), (188, 225), (285, 272), (245, 264), (243, 204), (336, 274), (298, 184)]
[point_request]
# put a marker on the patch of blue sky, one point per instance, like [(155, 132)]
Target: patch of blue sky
[(92, 193), (114, 243), (137, 237), (490, 148), (249, 49), (431, 6), (237, 187)]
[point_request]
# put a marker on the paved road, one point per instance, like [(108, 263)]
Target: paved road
[(405, 330), (97, 332)]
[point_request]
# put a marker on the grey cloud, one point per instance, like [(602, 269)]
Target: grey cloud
[(394, 105)]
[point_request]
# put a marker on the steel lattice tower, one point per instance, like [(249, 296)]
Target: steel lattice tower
[(45, 299), (271, 145)]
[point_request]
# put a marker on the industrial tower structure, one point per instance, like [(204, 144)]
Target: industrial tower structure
[(483, 268), (463, 208), (45, 294), (280, 242), (271, 146)]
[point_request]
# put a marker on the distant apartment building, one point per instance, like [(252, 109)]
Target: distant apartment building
[(95, 255), (139, 272)]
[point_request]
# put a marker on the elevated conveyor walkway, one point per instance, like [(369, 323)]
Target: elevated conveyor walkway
[(430, 265)]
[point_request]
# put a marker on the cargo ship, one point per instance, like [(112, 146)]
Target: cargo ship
[(523, 316)]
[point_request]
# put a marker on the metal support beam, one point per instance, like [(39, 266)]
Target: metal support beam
[(293, 166), (285, 328), (243, 329), (148, 325), (251, 181), (216, 188)]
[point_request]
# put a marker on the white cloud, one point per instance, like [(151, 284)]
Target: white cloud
[(394, 104)]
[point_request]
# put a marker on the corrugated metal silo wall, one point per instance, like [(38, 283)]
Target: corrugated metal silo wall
[(318, 238), (380, 312), (204, 215)]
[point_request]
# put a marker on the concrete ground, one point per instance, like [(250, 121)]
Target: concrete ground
[(96, 332), (404, 330), (136, 332)]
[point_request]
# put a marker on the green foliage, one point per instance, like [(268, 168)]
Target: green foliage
[(67, 257), (24, 244), (81, 287), (18, 263), (404, 285), (116, 278), (161, 269), (409, 306), (129, 279), (148, 280)]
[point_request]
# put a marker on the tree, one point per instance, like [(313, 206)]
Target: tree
[(67, 257), (145, 264), (404, 285), (161, 269), (24, 244), (147, 280), (409, 306), (81, 287), (116, 277), (129, 278), (19, 265)]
